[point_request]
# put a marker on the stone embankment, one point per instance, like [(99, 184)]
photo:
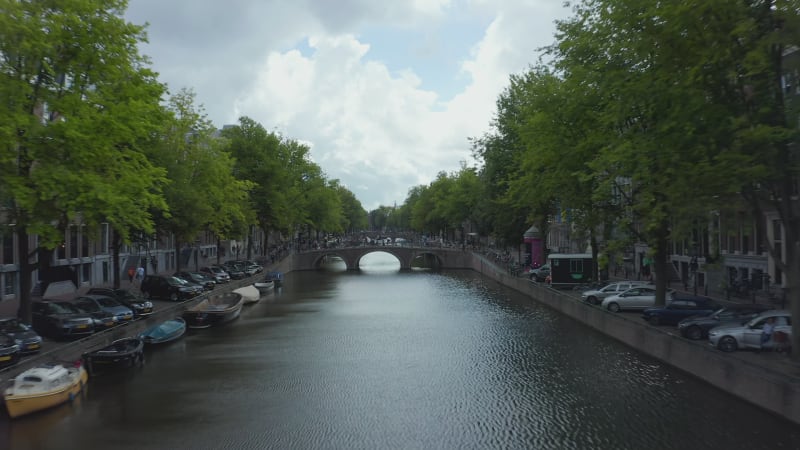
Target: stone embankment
[(70, 351), (768, 380)]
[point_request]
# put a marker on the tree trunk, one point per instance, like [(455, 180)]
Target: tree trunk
[(595, 265), (178, 254), (661, 266), (25, 276), (115, 269)]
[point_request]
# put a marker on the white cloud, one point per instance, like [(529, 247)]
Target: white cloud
[(375, 129)]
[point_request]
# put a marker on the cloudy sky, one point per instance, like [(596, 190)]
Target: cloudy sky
[(385, 92)]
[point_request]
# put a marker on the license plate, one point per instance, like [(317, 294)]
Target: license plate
[(5, 358), (80, 327), (33, 346)]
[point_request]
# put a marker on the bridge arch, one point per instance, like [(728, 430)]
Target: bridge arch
[(436, 257)]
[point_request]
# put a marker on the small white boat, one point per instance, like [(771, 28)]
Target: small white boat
[(265, 287), (44, 387), (249, 294)]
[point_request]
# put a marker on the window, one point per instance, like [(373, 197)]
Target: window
[(86, 273), (84, 242), (73, 242), (576, 265), (8, 249), (9, 283), (103, 239)]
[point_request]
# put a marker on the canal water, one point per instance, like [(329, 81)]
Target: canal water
[(387, 360)]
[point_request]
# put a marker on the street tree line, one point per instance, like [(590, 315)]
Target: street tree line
[(640, 120), (89, 134)]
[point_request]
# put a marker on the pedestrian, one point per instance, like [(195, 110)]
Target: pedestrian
[(139, 275), (131, 273), (767, 330)]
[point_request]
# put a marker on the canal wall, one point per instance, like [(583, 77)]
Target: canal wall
[(70, 351), (773, 385)]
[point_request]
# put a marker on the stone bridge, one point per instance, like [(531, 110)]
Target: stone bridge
[(440, 258)]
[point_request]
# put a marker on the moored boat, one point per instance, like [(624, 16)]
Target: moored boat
[(249, 294), (265, 287), (164, 332), (44, 387), (122, 353), (276, 277), (215, 310)]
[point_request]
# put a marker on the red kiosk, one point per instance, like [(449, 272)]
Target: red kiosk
[(534, 246)]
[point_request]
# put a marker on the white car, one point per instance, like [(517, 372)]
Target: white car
[(595, 296), (729, 338), (635, 298)]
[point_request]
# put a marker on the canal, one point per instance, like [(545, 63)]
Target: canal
[(384, 360)]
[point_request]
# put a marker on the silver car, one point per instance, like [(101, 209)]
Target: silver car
[(635, 298), (729, 338), (595, 296)]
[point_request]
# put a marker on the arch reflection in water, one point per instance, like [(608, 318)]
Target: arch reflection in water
[(379, 262)]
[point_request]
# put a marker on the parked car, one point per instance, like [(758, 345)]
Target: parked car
[(696, 327), (254, 266), (236, 271), (141, 307), (121, 313), (200, 278), (218, 273), (103, 320), (679, 307), (9, 351), (540, 273), (25, 337), (196, 287), (635, 298), (169, 288), (732, 337), (58, 319), (596, 296)]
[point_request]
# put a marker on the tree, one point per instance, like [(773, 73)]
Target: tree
[(663, 130), (258, 160), (203, 192), (78, 104)]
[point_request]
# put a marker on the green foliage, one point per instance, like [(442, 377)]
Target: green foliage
[(203, 193)]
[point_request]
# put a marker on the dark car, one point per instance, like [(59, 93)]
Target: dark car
[(540, 273), (168, 288), (200, 278), (103, 320), (680, 307), (236, 271), (141, 307), (697, 327), (9, 351), (94, 303), (58, 319), (25, 337)]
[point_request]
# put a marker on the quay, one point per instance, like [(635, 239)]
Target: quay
[(70, 351)]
